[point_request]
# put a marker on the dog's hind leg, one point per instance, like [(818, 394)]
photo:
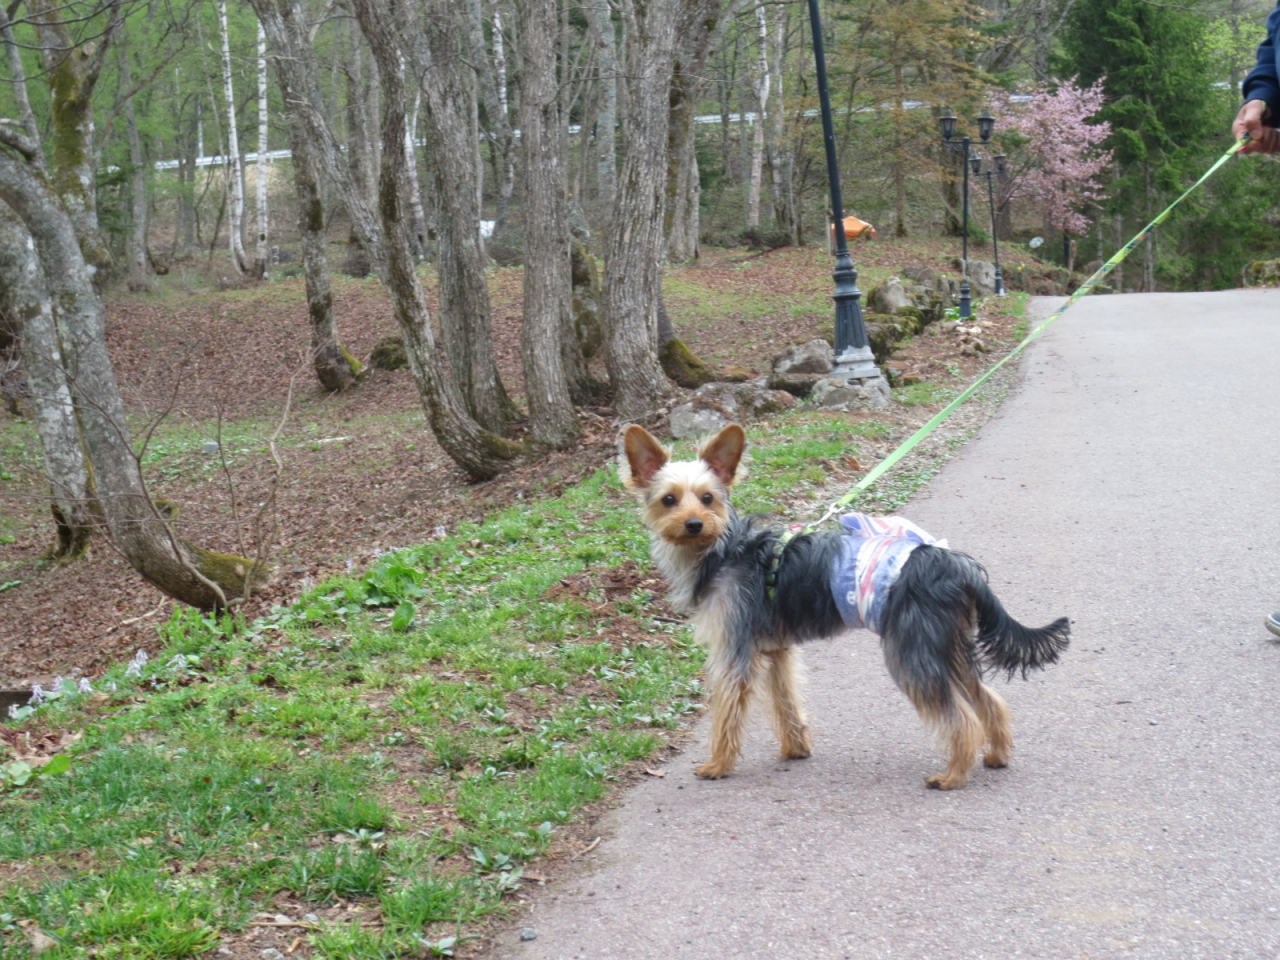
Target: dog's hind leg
[(962, 733), (782, 678), (994, 714)]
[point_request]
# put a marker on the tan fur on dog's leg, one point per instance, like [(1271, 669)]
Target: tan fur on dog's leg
[(782, 680), (963, 735), (729, 702), (994, 714)]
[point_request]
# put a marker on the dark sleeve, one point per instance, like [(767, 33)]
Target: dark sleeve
[(1263, 82)]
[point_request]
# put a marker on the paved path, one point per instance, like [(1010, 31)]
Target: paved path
[(1131, 482)]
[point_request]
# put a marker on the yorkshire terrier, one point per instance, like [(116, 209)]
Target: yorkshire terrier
[(755, 592)]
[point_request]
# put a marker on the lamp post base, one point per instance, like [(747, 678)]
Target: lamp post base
[(966, 310), (856, 363)]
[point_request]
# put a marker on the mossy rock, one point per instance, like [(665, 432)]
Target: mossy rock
[(238, 577), (1262, 273), (912, 318), (884, 337), (734, 374), (388, 354), (684, 366)]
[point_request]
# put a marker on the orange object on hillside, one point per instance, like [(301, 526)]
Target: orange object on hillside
[(855, 228)]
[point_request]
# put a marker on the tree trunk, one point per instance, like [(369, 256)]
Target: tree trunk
[(465, 316), (762, 105), (235, 163), (480, 453), (417, 216), (547, 281), (260, 248), (781, 156), (601, 18), (697, 26), (187, 573), (500, 120), (24, 295), (71, 158), (139, 268), (315, 150), (335, 367), (288, 35), (18, 81), (899, 151), (632, 281)]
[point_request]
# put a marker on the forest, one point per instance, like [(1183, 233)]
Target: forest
[(589, 144)]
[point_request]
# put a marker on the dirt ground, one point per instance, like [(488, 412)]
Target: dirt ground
[(360, 472)]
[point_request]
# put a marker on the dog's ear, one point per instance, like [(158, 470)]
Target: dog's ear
[(642, 456), (723, 452)]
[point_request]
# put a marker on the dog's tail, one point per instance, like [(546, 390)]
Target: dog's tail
[(1006, 644), (928, 616)]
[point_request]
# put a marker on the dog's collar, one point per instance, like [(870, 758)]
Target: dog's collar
[(779, 545)]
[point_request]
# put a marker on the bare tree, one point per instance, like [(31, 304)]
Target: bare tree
[(601, 18), (762, 84), (434, 45), (547, 280), (479, 452), (24, 294), (137, 527), (636, 243), (234, 162), (314, 149), (264, 221)]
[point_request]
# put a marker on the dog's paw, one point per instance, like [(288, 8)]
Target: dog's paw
[(797, 749), (713, 771), (941, 781), (995, 761)]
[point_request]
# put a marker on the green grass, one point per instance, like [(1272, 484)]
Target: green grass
[(407, 737)]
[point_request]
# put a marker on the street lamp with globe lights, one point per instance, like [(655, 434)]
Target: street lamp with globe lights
[(947, 122)]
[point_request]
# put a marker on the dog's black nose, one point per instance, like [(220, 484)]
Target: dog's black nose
[(693, 525)]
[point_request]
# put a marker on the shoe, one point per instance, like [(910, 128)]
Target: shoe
[(1273, 623)]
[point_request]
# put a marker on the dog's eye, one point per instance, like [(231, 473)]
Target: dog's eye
[(707, 499), (669, 501)]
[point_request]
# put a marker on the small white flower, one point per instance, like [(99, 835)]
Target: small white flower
[(439, 533), (350, 565), (179, 662), (57, 685), (13, 711), (84, 686), (111, 686), (37, 694)]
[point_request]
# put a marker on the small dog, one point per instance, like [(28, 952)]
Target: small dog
[(755, 594)]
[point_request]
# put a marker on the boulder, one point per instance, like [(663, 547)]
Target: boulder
[(1262, 273), (982, 278), (796, 384), (716, 405), (839, 394), (388, 354), (816, 356), (921, 274), (888, 297)]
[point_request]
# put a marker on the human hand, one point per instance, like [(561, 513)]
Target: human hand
[(1262, 139)]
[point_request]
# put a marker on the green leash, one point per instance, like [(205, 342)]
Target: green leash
[(1099, 275)]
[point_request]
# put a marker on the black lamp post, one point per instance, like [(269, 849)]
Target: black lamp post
[(992, 170), (947, 122), (854, 359)]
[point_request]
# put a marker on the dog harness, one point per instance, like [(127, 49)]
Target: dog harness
[(871, 555)]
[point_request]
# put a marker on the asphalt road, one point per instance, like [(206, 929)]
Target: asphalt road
[(1129, 481)]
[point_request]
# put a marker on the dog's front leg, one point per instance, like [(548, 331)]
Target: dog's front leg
[(789, 723), (731, 670)]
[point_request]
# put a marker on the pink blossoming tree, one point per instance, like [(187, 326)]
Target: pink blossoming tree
[(1055, 154)]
